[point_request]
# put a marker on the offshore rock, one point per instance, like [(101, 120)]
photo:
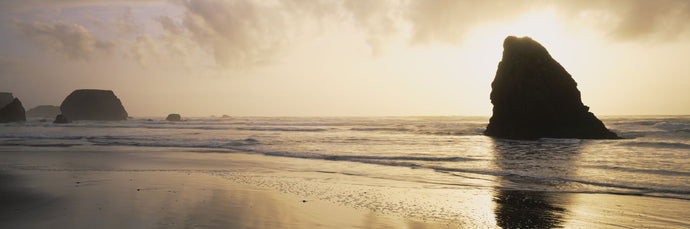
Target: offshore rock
[(91, 104), (43, 111), (174, 117), (12, 112), (535, 97), (60, 119)]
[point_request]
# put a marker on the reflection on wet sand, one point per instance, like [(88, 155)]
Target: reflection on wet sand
[(150, 199), (520, 201), (18, 202), (527, 209)]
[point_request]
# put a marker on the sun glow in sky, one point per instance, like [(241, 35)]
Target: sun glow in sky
[(288, 57)]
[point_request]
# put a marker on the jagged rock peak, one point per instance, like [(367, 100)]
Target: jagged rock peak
[(535, 97)]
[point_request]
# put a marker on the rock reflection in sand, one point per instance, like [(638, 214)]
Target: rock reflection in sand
[(519, 203)]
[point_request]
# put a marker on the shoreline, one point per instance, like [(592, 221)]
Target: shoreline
[(149, 199), (96, 186)]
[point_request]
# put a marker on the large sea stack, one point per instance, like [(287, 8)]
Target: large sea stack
[(535, 97), (91, 104), (12, 112)]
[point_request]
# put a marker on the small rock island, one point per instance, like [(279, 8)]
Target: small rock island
[(535, 97), (92, 104), (60, 119), (174, 117), (12, 112)]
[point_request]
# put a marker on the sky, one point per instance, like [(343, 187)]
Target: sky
[(338, 57)]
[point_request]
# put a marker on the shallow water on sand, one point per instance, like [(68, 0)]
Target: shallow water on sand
[(438, 169)]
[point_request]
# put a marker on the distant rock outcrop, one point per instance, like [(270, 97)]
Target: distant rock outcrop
[(12, 112), (60, 119), (43, 111), (174, 117), (5, 98), (91, 104), (535, 97)]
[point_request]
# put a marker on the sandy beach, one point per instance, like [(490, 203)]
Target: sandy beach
[(168, 200), (120, 187), (120, 194)]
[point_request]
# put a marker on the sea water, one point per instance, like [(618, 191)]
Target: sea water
[(652, 159)]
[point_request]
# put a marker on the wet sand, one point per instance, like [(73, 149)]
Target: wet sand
[(102, 187), (37, 191), (167, 200)]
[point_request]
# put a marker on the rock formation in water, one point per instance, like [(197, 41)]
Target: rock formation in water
[(174, 117), (12, 112), (5, 98), (91, 104), (43, 111), (535, 97), (60, 119)]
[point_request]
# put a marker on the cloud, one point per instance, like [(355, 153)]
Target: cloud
[(449, 20), (633, 20), (237, 33), (663, 19), (71, 40), (126, 25), (169, 24), (9, 65), (242, 33), (144, 50), (377, 18)]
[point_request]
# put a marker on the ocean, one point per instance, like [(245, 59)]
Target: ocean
[(410, 166)]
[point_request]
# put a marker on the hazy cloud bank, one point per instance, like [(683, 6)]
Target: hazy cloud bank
[(72, 40), (240, 33), (633, 20)]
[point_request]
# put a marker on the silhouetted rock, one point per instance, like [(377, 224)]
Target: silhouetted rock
[(61, 119), (91, 104), (12, 112), (5, 98), (174, 117), (43, 111), (535, 97)]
